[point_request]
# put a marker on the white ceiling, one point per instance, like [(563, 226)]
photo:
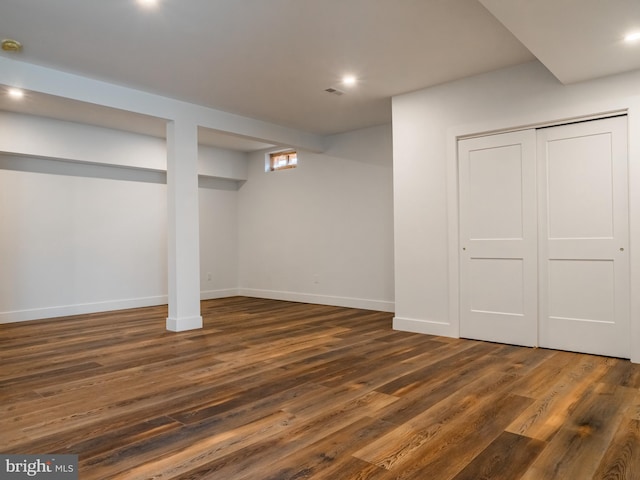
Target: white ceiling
[(576, 40), (273, 59)]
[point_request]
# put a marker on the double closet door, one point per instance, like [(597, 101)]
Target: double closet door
[(544, 220)]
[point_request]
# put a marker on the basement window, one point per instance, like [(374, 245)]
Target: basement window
[(282, 160)]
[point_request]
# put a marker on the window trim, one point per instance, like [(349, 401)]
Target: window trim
[(272, 156)]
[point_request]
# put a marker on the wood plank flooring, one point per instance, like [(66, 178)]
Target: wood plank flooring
[(277, 390)]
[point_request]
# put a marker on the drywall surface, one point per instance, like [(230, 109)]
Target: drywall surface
[(89, 232), (30, 135), (72, 244), (321, 232), (46, 137), (425, 127), (218, 242)]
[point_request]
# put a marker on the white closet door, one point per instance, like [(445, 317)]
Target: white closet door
[(498, 236), (583, 237)]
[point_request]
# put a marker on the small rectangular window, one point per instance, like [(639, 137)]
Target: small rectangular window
[(283, 160)]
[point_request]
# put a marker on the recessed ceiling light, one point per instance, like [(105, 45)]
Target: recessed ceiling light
[(349, 80), (632, 37), (15, 93), (148, 3)]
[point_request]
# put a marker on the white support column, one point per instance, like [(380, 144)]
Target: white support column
[(183, 226)]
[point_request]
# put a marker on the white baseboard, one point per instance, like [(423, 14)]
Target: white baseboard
[(184, 324), (213, 294), (349, 302), (427, 327), (83, 308), (80, 309)]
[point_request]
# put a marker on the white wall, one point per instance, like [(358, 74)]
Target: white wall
[(181, 117), (50, 138), (90, 234), (322, 232), (83, 211), (46, 137), (220, 172), (74, 244), (221, 163), (425, 127), (218, 241)]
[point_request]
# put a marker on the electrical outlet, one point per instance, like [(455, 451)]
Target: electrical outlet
[(316, 278), (209, 276)]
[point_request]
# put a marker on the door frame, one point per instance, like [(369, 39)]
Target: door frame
[(629, 107)]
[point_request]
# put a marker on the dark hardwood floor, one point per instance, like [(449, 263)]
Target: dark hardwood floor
[(279, 390)]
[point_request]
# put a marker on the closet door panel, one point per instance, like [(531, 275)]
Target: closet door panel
[(583, 237), (498, 266)]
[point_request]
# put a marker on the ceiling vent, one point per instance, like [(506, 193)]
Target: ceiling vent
[(334, 91)]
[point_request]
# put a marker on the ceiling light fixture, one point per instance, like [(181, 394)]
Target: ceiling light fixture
[(11, 45), (148, 3), (15, 93), (632, 37), (349, 80)]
